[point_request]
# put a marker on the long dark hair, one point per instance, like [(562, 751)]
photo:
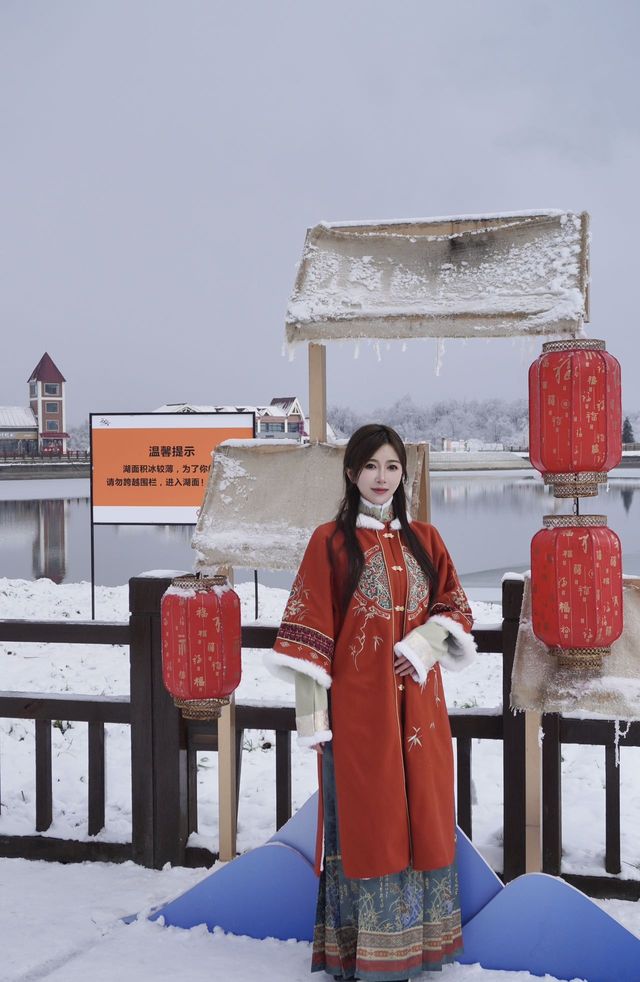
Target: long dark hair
[(364, 443)]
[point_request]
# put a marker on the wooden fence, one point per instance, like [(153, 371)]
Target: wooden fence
[(164, 749), (41, 456)]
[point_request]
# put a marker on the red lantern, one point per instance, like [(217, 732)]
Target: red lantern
[(575, 416), (201, 644), (576, 588)]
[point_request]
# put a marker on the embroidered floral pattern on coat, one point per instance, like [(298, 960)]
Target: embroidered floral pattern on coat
[(371, 598), (418, 585), (458, 605), (374, 584), (294, 631), (296, 606), (315, 641)]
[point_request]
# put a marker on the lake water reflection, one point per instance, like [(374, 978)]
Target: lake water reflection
[(487, 520)]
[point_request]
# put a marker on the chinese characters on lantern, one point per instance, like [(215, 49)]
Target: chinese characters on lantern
[(575, 438), (201, 644)]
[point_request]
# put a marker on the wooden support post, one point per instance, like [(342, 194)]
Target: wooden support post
[(513, 740), (551, 795), (96, 776), (192, 787), (317, 393), (612, 809), (463, 769), (158, 738), (533, 788), (585, 267), (283, 777), (227, 816), (422, 485), (44, 782)]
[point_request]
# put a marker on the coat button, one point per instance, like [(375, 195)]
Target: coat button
[(400, 607)]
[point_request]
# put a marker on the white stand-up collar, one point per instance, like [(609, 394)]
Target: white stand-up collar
[(372, 516)]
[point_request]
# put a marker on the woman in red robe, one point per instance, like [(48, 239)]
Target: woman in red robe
[(375, 609)]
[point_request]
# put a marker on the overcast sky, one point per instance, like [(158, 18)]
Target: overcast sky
[(161, 160)]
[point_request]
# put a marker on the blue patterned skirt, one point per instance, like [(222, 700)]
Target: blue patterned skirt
[(387, 927)]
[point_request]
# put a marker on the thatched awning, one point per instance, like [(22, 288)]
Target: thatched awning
[(480, 276)]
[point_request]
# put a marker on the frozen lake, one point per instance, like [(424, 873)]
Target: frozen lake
[(486, 518)]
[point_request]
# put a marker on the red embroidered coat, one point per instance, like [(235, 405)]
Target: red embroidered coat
[(391, 736)]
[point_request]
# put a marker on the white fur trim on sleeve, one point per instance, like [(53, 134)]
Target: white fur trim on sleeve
[(461, 648), (419, 652), (323, 736), (283, 667)]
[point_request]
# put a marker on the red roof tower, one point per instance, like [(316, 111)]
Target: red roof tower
[(46, 371)]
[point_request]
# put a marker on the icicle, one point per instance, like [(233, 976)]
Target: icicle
[(376, 348), (620, 734), (356, 351), (403, 347), (289, 348), (439, 354)]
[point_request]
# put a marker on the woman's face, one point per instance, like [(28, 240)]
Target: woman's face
[(380, 476)]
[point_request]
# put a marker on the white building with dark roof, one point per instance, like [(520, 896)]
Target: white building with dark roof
[(18, 431), (282, 419)]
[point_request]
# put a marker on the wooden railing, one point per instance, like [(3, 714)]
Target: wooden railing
[(45, 456), (164, 749)]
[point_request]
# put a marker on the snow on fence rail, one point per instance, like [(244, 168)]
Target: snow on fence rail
[(164, 748)]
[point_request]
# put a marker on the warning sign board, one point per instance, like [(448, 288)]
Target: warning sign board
[(152, 468)]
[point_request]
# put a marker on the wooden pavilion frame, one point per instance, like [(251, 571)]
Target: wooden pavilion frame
[(419, 247)]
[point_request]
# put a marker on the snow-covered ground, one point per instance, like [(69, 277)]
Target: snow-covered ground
[(74, 911)]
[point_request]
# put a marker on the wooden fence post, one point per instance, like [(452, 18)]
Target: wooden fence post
[(158, 738), (551, 794), (227, 784), (514, 740)]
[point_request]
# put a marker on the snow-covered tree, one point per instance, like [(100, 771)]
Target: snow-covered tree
[(79, 437), (627, 431)]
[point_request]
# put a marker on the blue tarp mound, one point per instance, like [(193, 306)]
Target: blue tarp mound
[(300, 831), (536, 923), (540, 924), (269, 892), (477, 882)]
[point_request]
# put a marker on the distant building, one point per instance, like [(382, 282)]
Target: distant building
[(18, 431), (47, 400), (282, 419), (41, 427)]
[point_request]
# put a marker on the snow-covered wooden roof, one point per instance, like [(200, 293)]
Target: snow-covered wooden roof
[(524, 273), (17, 418), (275, 409)]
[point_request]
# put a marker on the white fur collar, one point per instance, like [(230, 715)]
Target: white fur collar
[(369, 522)]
